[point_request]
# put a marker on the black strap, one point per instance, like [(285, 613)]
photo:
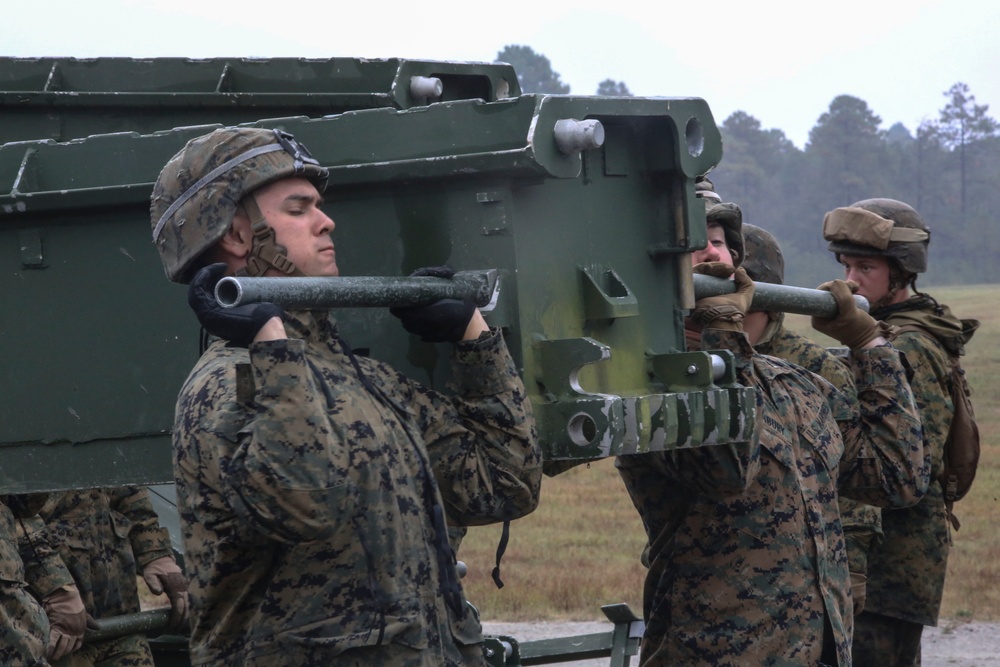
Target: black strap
[(501, 548)]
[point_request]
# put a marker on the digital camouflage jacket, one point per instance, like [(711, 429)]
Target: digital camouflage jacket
[(906, 571), (862, 523), (747, 557), (105, 537), (306, 498), (24, 628)]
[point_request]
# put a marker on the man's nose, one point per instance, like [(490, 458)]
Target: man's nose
[(711, 254), (327, 224)]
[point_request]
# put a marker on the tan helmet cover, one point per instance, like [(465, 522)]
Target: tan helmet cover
[(200, 189), (880, 228)]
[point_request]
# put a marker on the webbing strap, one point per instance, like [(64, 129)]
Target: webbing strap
[(501, 548), (265, 251), (208, 178)]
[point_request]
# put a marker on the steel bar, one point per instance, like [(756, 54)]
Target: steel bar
[(784, 298), (357, 292)]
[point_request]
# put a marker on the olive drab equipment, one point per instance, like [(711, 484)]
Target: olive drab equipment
[(962, 447)]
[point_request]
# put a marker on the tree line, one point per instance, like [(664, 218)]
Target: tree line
[(947, 169)]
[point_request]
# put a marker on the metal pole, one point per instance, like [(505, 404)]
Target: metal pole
[(358, 291), (784, 298), (153, 621)]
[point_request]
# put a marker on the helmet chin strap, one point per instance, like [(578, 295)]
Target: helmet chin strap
[(265, 252)]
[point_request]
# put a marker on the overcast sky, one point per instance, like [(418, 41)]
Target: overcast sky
[(781, 61)]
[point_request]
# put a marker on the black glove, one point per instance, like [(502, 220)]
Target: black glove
[(239, 324), (443, 321)]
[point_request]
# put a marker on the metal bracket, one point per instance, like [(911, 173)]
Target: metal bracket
[(30, 243), (605, 295)]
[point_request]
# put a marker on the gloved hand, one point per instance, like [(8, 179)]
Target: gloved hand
[(443, 321), (239, 324), (67, 621), (851, 326), (163, 574), (725, 311)]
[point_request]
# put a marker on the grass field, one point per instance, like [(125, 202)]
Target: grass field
[(581, 548)]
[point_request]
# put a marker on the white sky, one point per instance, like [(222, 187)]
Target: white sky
[(780, 61)]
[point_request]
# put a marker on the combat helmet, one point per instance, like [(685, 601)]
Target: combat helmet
[(764, 262), (879, 228), (727, 215), (201, 188)]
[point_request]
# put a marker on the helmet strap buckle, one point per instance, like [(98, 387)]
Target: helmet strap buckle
[(265, 251)]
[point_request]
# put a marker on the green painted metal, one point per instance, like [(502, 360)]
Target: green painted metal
[(153, 621), (618, 645), (69, 98), (784, 298), (589, 245)]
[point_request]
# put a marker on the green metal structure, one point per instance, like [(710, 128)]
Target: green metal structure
[(590, 247), (69, 98), (580, 210)]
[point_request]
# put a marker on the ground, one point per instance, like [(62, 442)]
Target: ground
[(952, 644)]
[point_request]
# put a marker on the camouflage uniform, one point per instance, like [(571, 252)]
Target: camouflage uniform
[(24, 628), (105, 537), (862, 523), (748, 564), (305, 502), (907, 570)]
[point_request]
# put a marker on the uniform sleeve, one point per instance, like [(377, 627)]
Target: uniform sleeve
[(288, 475), (885, 462), (482, 442), (44, 570), (930, 385), (148, 539)]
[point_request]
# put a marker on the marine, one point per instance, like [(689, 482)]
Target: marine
[(316, 486), (765, 263), (882, 245), (106, 537), (747, 556), (30, 570)]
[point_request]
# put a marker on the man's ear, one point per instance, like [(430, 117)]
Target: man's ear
[(238, 239)]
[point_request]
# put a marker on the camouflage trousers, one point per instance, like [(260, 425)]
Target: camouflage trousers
[(130, 651), (883, 641)]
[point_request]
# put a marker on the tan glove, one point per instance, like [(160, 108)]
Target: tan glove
[(67, 621), (852, 327), (859, 591), (163, 575), (725, 311)]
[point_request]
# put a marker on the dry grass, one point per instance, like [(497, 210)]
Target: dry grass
[(581, 548)]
